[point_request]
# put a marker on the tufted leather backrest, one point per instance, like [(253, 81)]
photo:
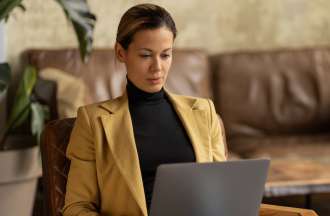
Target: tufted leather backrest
[(55, 165), (260, 93)]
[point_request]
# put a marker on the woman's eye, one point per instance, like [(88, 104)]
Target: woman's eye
[(165, 56), (144, 56)]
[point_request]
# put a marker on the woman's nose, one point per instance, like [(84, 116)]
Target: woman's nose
[(156, 64)]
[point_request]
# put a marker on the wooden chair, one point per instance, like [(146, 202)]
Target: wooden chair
[(56, 166)]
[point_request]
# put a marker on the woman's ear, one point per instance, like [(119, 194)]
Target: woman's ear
[(120, 52)]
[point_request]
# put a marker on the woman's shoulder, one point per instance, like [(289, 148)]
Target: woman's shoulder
[(101, 106), (191, 101)]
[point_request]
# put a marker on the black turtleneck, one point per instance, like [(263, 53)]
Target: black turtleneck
[(159, 134)]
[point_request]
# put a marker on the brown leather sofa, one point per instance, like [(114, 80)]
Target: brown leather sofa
[(273, 103)]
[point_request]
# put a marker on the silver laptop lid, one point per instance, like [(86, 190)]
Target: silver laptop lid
[(231, 188)]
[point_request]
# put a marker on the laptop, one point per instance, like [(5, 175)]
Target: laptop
[(230, 188)]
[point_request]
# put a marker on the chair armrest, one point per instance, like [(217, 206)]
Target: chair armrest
[(273, 210)]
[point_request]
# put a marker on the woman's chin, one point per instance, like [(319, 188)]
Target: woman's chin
[(153, 88)]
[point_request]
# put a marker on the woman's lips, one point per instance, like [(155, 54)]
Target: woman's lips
[(155, 80)]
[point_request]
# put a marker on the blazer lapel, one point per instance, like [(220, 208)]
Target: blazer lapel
[(194, 120), (119, 134)]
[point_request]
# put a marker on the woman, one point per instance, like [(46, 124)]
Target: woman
[(116, 145)]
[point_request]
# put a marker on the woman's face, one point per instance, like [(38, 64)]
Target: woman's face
[(148, 58)]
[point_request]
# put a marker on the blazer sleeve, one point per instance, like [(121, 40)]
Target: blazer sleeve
[(217, 133), (82, 191)]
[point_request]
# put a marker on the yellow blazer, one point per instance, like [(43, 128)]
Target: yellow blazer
[(105, 177)]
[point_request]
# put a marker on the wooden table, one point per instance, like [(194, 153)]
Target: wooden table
[(297, 177)]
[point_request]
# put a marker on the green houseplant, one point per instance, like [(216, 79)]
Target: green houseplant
[(24, 106), (19, 154)]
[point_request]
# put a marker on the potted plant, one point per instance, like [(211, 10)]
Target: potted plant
[(21, 128), (19, 154)]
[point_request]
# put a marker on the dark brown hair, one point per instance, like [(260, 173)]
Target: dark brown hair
[(142, 17)]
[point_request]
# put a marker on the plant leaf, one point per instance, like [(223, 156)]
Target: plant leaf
[(78, 12), (22, 7), (21, 107), (39, 114), (6, 6)]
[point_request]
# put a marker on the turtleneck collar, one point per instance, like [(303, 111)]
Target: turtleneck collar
[(138, 96)]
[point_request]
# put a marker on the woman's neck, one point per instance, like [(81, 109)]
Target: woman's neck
[(136, 95)]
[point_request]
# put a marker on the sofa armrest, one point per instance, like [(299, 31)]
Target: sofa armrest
[(274, 210)]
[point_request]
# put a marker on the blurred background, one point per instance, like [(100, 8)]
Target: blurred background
[(264, 37), (216, 26)]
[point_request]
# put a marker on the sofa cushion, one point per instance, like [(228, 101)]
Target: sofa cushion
[(273, 92), (71, 91), (190, 73), (103, 77), (314, 147)]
